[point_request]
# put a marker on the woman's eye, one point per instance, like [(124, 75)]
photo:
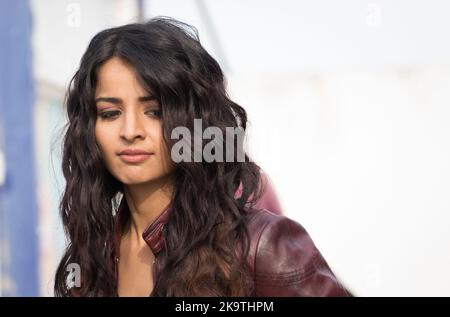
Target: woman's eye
[(108, 114), (154, 113)]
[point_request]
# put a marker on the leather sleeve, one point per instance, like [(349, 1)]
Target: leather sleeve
[(287, 263)]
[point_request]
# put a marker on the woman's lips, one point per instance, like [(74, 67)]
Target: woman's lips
[(135, 158)]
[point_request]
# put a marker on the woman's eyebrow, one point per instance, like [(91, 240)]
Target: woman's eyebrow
[(118, 101), (147, 98), (113, 100)]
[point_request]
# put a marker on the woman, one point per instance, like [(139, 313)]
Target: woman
[(143, 214)]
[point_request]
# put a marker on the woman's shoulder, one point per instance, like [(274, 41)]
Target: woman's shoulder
[(284, 259), (278, 235)]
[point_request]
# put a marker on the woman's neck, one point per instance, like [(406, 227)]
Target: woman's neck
[(146, 202)]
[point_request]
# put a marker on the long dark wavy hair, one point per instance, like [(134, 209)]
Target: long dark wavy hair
[(206, 238)]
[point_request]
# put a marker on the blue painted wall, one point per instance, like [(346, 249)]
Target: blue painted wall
[(18, 207)]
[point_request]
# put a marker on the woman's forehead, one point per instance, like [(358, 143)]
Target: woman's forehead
[(117, 78)]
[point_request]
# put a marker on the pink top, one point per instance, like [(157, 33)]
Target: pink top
[(268, 200)]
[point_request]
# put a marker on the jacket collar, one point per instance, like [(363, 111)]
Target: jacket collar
[(153, 235)]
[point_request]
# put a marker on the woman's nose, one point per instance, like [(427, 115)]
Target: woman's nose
[(132, 126)]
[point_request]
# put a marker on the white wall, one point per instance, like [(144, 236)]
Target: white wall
[(63, 29)]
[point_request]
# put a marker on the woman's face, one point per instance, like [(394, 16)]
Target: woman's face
[(129, 118)]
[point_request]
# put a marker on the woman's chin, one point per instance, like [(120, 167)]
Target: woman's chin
[(136, 180)]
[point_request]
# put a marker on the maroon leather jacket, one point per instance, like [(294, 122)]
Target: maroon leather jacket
[(282, 257)]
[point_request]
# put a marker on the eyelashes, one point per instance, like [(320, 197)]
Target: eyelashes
[(112, 114), (105, 115), (155, 113)]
